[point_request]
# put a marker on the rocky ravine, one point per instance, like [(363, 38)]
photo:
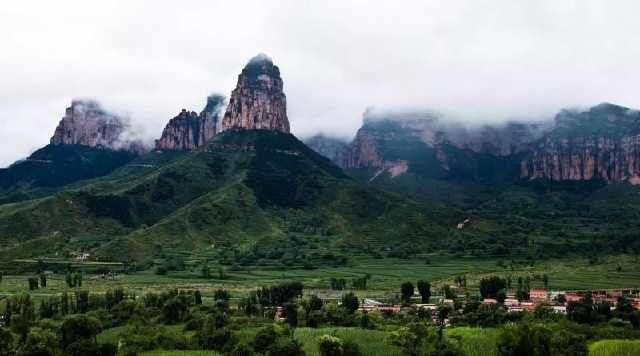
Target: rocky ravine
[(86, 123), (258, 101), (189, 130)]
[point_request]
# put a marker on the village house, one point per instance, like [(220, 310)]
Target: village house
[(538, 294)]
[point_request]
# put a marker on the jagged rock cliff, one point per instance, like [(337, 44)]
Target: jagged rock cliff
[(602, 143), (189, 130), (394, 139), (86, 123), (258, 101)]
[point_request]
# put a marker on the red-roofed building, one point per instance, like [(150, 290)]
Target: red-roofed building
[(538, 294)]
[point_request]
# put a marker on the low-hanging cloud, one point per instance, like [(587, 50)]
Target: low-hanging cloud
[(479, 60)]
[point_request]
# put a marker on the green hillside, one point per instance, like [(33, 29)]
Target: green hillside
[(248, 196), (54, 166)]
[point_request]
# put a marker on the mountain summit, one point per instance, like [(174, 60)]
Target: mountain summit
[(188, 130), (86, 123), (258, 101)]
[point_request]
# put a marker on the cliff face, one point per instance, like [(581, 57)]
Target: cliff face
[(189, 130), (258, 101), (411, 141), (602, 143), (86, 123)]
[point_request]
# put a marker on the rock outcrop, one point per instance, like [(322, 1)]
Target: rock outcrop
[(189, 130), (387, 138), (258, 101), (602, 143), (86, 123)]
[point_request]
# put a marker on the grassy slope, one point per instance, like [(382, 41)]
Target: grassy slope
[(243, 187), (615, 348)]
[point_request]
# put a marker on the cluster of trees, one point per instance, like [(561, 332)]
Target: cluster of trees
[(73, 279), (39, 281), (359, 283), (407, 291)]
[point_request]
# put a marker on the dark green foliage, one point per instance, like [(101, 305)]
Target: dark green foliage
[(6, 342), (350, 302), (537, 339), (214, 335), (588, 312), (265, 338), (286, 346), (424, 288), (280, 294), (406, 291), (54, 166), (33, 283), (333, 346), (79, 327), (361, 283), (291, 314), (175, 309), (338, 283), (489, 287), (82, 301), (40, 342), (314, 303)]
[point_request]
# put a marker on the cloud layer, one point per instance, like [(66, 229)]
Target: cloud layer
[(481, 60)]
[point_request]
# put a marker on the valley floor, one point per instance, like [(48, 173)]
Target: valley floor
[(612, 272)]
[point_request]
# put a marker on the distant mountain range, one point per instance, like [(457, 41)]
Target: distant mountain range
[(237, 187), (597, 144)]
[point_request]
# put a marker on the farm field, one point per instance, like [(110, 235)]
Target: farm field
[(386, 274), (615, 348)]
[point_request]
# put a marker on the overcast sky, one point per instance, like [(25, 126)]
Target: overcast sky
[(481, 60)]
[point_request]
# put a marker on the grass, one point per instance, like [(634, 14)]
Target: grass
[(180, 353), (386, 276), (615, 348), (477, 341), (371, 342)]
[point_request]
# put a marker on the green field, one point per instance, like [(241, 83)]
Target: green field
[(386, 276), (371, 342), (615, 348), (475, 341)]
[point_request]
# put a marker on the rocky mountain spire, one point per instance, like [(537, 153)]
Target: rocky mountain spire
[(258, 101), (189, 130), (86, 123)]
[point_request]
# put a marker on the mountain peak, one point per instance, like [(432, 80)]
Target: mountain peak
[(188, 130), (87, 123), (258, 101)]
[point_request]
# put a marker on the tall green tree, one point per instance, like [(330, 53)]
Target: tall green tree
[(424, 288), (406, 291)]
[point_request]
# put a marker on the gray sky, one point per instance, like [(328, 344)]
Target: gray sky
[(480, 60)]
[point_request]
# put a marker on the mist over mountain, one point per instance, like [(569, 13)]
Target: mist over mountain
[(464, 59)]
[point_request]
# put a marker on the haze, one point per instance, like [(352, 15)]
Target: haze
[(479, 60)]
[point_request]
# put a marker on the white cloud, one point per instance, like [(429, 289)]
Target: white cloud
[(476, 59)]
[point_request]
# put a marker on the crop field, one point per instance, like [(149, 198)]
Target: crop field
[(386, 276), (371, 342), (615, 348), (476, 341)]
